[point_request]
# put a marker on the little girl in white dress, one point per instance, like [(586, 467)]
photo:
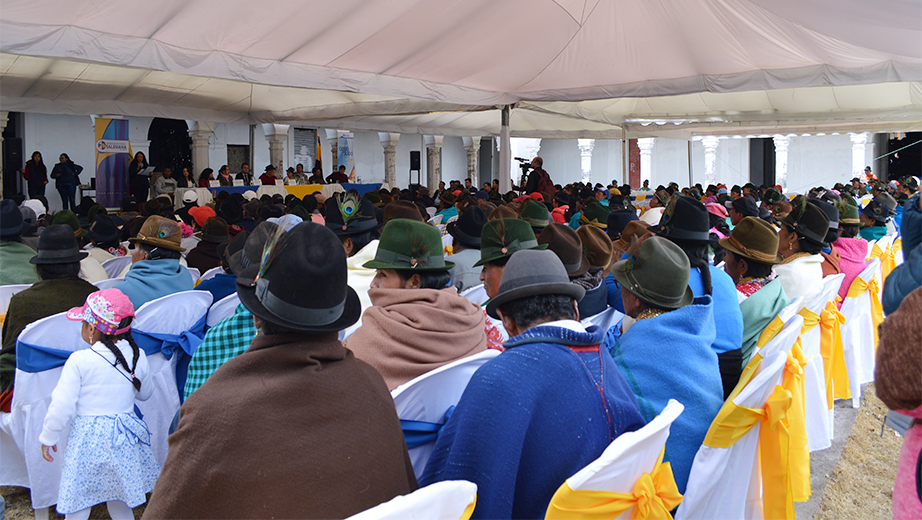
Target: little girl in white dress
[(108, 456)]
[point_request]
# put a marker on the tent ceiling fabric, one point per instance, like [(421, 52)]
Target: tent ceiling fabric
[(573, 68)]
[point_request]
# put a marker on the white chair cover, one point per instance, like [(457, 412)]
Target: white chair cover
[(725, 482), (476, 294), (427, 397), (115, 266), (447, 500), (171, 314), (21, 462), (604, 319), (446, 241), (7, 292), (628, 457), (223, 308), (108, 283), (194, 273), (818, 415), (209, 274), (791, 310), (858, 335), (784, 340)]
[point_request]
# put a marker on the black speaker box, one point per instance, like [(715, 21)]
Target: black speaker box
[(414, 160)]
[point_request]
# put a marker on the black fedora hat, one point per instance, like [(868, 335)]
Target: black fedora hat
[(349, 215), (808, 221), (684, 219), (58, 245), (302, 284), (226, 250), (744, 205), (617, 221), (532, 272), (103, 229), (468, 227), (10, 218), (249, 254)]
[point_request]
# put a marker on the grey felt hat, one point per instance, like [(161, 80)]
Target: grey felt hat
[(532, 272), (657, 273)]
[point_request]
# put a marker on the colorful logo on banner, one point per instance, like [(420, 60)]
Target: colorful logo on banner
[(346, 155), (113, 153)]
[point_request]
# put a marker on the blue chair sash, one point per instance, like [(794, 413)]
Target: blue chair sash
[(419, 433), (182, 344)]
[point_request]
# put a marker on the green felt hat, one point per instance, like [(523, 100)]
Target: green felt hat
[(69, 218), (595, 214), (502, 237), (535, 213), (408, 244), (657, 273), (772, 196), (850, 215)]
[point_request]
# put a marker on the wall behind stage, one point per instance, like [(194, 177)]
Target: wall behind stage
[(53, 135)]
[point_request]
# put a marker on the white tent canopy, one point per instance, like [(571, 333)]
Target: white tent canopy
[(570, 68)]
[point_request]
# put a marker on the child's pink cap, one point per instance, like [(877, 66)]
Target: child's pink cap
[(104, 310), (717, 210)]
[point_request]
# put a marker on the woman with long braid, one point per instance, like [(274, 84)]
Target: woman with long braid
[(108, 455)]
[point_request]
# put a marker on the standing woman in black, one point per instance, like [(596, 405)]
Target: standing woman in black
[(140, 184), (36, 175), (66, 177)]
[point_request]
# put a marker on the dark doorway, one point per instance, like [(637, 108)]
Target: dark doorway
[(170, 144), (12, 156), (762, 161), (908, 160)]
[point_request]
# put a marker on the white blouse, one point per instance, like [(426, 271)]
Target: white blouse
[(90, 385)]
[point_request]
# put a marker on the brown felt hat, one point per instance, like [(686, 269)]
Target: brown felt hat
[(564, 242), (755, 239), (402, 209), (160, 232), (634, 228), (596, 246), (501, 212)]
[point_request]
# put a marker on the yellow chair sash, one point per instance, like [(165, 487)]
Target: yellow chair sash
[(833, 354), (897, 245), (466, 515), (800, 452), (811, 319), (770, 331), (887, 261), (858, 288), (732, 422), (876, 251), (654, 496)]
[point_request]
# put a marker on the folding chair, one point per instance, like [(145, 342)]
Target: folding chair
[(447, 500), (863, 313), (7, 292), (115, 266), (630, 474), (108, 283), (168, 329), (422, 403), (725, 478), (223, 308)]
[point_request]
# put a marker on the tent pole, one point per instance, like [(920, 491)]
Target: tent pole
[(624, 163), (690, 182), (505, 153)]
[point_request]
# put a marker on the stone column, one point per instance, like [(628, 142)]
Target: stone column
[(859, 144), (4, 117), (472, 146), (276, 135), (389, 142), (143, 146), (710, 159), (781, 160), (434, 163), (333, 141), (585, 158), (645, 144), (200, 132)]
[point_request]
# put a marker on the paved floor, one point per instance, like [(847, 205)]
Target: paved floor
[(822, 463)]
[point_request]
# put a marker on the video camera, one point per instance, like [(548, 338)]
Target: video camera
[(525, 165)]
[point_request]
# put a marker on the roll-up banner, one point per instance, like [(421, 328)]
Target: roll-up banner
[(346, 155), (113, 153)]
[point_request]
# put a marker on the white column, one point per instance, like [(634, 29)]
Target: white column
[(646, 160), (141, 145), (333, 141), (585, 157), (782, 142), (710, 159), (859, 144), (389, 142), (277, 135), (472, 146), (434, 163), (201, 133)]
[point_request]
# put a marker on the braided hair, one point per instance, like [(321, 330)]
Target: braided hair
[(109, 341), (698, 258)]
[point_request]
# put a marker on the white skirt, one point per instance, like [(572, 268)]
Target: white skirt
[(108, 458)]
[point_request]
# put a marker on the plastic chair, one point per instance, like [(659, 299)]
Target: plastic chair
[(625, 467), (207, 275), (423, 402), (41, 351), (108, 283), (725, 481), (447, 500), (168, 329), (7, 292), (221, 309), (115, 266), (859, 334), (819, 415)]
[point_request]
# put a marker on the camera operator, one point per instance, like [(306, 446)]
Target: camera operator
[(539, 180)]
